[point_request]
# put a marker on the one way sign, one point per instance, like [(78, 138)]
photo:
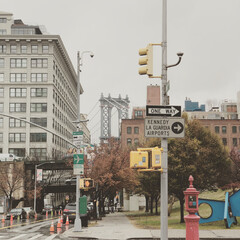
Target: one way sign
[(163, 111)]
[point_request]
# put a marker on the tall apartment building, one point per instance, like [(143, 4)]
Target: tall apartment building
[(37, 83)]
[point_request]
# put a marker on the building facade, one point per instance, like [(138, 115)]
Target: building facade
[(37, 83), (228, 130)]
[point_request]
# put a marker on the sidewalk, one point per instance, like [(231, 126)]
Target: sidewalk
[(116, 226)]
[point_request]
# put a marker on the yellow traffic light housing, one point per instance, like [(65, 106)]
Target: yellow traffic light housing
[(156, 157), (138, 159), (146, 159), (86, 183), (147, 60)]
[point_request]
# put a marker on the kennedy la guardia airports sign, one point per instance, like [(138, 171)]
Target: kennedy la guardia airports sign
[(164, 127)]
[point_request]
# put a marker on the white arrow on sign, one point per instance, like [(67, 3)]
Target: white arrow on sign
[(166, 111)]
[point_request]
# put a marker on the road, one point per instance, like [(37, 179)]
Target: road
[(31, 229)]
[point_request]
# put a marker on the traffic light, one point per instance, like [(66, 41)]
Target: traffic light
[(138, 159), (147, 60), (146, 159), (156, 157), (86, 183)]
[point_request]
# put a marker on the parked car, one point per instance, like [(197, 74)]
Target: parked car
[(17, 212), (71, 181), (29, 210), (48, 208), (70, 212)]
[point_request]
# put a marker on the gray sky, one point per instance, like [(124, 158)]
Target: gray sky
[(206, 31)]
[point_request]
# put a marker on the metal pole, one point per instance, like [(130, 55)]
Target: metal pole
[(35, 188), (164, 143), (78, 223)]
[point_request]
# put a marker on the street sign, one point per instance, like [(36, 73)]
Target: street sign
[(78, 164), (164, 127), (163, 111), (78, 138)]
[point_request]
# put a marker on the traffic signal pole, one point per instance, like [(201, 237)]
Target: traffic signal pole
[(78, 222), (164, 143)]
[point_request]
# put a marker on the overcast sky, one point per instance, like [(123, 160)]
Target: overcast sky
[(206, 31)]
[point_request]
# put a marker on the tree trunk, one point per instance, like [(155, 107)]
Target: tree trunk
[(156, 205), (147, 205), (182, 209), (151, 205)]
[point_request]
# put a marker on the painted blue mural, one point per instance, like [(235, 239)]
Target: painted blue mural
[(226, 210)]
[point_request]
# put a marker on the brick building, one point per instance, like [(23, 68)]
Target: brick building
[(132, 130), (227, 129)]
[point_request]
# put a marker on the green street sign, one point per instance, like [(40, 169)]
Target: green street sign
[(78, 158), (77, 133)]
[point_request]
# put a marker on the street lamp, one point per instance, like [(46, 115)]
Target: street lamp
[(77, 222), (35, 184)]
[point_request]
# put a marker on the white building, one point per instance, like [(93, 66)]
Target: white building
[(38, 83)]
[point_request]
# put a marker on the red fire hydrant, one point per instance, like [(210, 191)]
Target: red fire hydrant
[(191, 204)]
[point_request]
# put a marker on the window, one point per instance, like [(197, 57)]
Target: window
[(40, 121), (1, 107), (1, 137), (1, 62), (13, 48), (18, 77), (1, 92), (129, 130), (38, 92), (224, 140), (234, 142), (34, 49), (136, 141), (21, 31), (129, 141), (45, 49), (3, 20), (20, 152), (1, 77), (18, 62), (216, 129), (234, 129), (17, 107), (3, 31), (38, 137), (18, 92), (39, 63), (136, 130), (224, 129), (39, 77), (38, 107), (23, 48), (1, 122), (16, 123), (138, 113), (17, 137), (40, 153), (3, 48)]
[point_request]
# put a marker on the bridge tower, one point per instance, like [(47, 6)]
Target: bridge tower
[(107, 104)]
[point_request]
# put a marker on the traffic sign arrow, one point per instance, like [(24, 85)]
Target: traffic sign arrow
[(164, 111)]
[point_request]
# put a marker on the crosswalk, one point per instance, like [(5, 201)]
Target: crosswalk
[(26, 236)]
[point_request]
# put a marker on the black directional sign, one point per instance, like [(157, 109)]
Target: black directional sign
[(163, 111)]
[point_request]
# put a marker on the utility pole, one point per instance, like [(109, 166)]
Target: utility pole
[(78, 222), (164, 143)]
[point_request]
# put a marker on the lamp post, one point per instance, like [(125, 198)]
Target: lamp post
[(77, 222), (164, 143), (35, 184)]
